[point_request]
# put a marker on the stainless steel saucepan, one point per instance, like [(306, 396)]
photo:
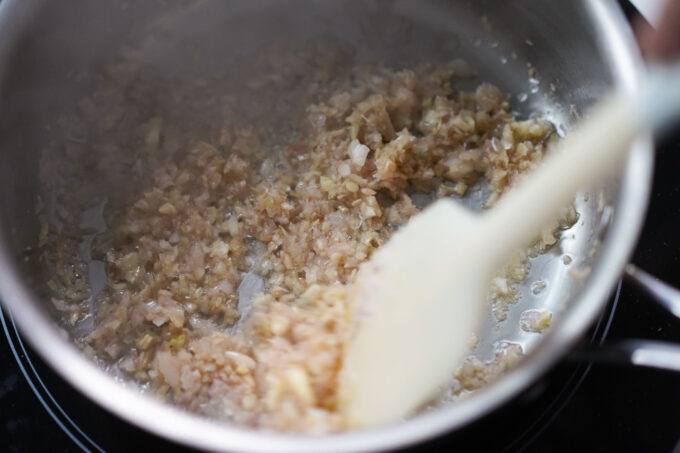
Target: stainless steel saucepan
[(553, 57)]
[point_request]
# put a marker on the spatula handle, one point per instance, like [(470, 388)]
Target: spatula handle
[(593, 152), (659, 98)]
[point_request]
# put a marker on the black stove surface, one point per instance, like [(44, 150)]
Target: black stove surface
[(575, 407)]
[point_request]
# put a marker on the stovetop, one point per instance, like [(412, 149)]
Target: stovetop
[(586, 407)]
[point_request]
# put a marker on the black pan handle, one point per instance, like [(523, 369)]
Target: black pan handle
[(648, 353)]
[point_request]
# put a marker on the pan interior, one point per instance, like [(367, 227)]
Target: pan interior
[(48, 76)]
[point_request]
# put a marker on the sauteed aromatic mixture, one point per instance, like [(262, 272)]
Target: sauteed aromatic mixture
[(244, 207)]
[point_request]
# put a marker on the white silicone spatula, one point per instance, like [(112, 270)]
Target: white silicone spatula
[(423, 294)]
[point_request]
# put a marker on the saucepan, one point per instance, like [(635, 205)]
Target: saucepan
[(556, 58)]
